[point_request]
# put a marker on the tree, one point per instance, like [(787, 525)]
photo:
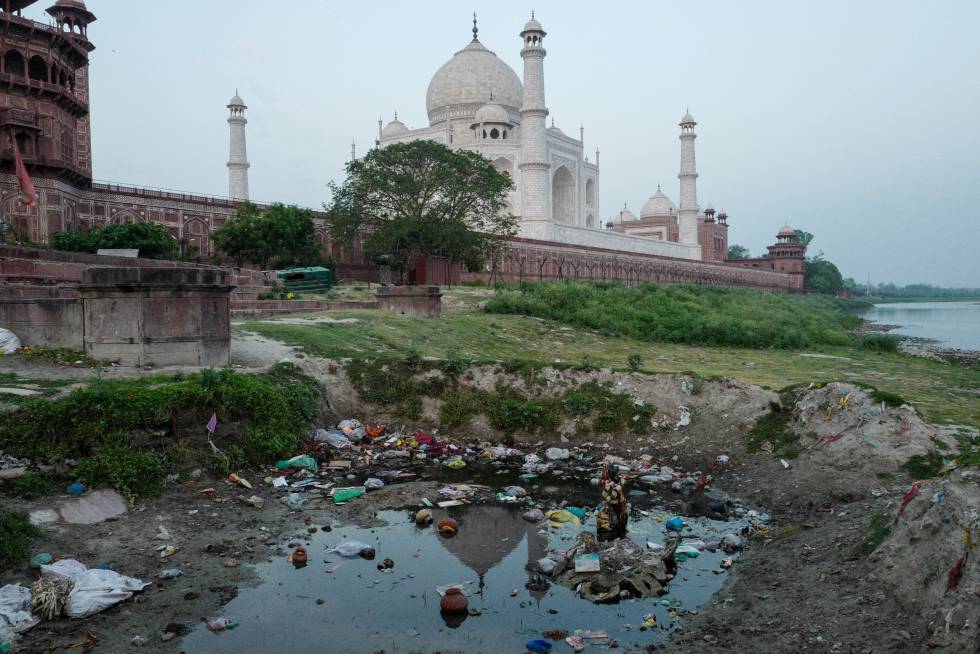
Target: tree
[(804, 238), (417, 199), (280, 234), (738, 252), (151, 239), (822, 276)]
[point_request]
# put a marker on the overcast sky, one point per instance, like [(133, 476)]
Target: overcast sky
[(857, 121)]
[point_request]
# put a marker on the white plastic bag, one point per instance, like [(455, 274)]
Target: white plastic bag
[(97, 590), (351, 548), (374, 484), (15, 612), (335, 439), (64, 569), (556, 454), (9, 342)]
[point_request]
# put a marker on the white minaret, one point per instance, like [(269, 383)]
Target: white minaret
[(237, 157), (534, 165), (687, 215)]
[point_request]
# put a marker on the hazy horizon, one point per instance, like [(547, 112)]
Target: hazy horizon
[(855, 121)]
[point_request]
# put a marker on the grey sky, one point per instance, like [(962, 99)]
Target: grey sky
[(858, 121)]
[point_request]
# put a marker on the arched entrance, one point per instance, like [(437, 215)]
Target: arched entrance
[(563, 196)]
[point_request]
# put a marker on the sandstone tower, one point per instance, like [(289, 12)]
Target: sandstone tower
[(687, 215), (238, 157), (534, 165)]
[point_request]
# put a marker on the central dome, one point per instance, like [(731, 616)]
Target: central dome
[(468, 81)]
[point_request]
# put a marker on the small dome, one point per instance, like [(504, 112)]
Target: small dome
[(624, 216), (722, 215), (236, 101), (491, 113), (394, 128), (532, 26), (786, 231), (710, 211), (658, 206), (688, 119)]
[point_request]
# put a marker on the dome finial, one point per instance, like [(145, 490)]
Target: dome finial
[(658, 187), (475, 28), (532, 14)]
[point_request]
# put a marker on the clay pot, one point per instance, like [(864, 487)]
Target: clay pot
[(454, 601), (448, 527), (299, 555)]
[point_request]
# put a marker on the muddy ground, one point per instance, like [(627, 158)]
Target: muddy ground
[(807, 587)]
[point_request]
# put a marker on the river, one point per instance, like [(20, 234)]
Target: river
[(952, 324)]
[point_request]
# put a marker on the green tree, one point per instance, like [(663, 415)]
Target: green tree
[(151, 239), (822, 276), (283, 235), (411, 200), (804, 238), (738, 252)]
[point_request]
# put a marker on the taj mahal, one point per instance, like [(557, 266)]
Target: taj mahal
[(475, 101)]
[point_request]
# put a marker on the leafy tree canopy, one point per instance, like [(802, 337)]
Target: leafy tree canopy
[(804, 238), (421, 198), (151, 239), (738, 252), (280, 235), (822, 276)]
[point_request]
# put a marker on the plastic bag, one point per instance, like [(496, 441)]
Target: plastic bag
[(562, 517), (63, 569), (374, 484), (9, 342), (344, 494), (533, 515), (351, 548), (96, 590), (15, 613), (546, 566), (335, 439), (301, 461), (556, 454), (515, 491)]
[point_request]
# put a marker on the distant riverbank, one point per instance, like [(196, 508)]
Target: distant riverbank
[(946, 329)]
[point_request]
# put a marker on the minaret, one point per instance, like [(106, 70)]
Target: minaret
[(687, 216), (237, 157), (534, 165)]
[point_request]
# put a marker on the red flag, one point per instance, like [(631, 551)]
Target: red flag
[(29, 198)]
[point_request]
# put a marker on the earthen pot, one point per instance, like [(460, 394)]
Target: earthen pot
[(454, 601), (448, 527), (299, 555)]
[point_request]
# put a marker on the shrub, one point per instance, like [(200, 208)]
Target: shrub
[(699, 315), (879, 342), (151, 239), (16, 533), (117, 463), (889, 398), (634, 362), (30, 485)]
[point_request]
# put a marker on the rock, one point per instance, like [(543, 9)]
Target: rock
[(11, 473), (98, 507), (43, 517)]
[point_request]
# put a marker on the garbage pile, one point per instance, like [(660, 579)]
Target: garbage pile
[(929, 559), (65, 588), (348, 461), (846, 425)]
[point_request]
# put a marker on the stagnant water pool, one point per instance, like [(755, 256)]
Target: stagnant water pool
[(366, 610)]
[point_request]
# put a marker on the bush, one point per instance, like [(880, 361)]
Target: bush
[(16, 533), (117, 463), (879, 342), (634, 362), (698, 315), (30, 485), (151, 239), (890, 399)]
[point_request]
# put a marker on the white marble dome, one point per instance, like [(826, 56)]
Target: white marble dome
[(492, 113), (472, 77), (786, 231), (624, 216), (394, 128), (658, 206)]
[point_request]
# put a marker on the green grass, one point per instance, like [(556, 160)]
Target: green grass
[(878, 529), (119, 429), (944, 393), (925, 466), (696, 315)]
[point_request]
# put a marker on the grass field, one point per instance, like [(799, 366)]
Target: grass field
[(945, 393)]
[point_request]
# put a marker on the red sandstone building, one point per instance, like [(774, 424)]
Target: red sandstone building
[(44, 110)]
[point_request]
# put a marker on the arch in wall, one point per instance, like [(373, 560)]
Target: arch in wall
[(590, 193), (37, 68), (196, 232), (590, 220), (563, 196), (13, 63), (504, 165), (121, 216)]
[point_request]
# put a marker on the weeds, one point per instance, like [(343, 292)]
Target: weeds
[(634, 362), (925, 466), (879, 342), (773, 428), (16, 533), (878, 530), (31, 485)]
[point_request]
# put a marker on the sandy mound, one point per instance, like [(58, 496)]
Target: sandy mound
[(930, 560)]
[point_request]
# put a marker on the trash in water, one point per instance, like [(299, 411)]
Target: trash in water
[(220, 624), (587, 563), (345, 494)]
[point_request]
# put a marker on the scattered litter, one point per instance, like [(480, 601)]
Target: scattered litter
[(586, 563), (235, 479)]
